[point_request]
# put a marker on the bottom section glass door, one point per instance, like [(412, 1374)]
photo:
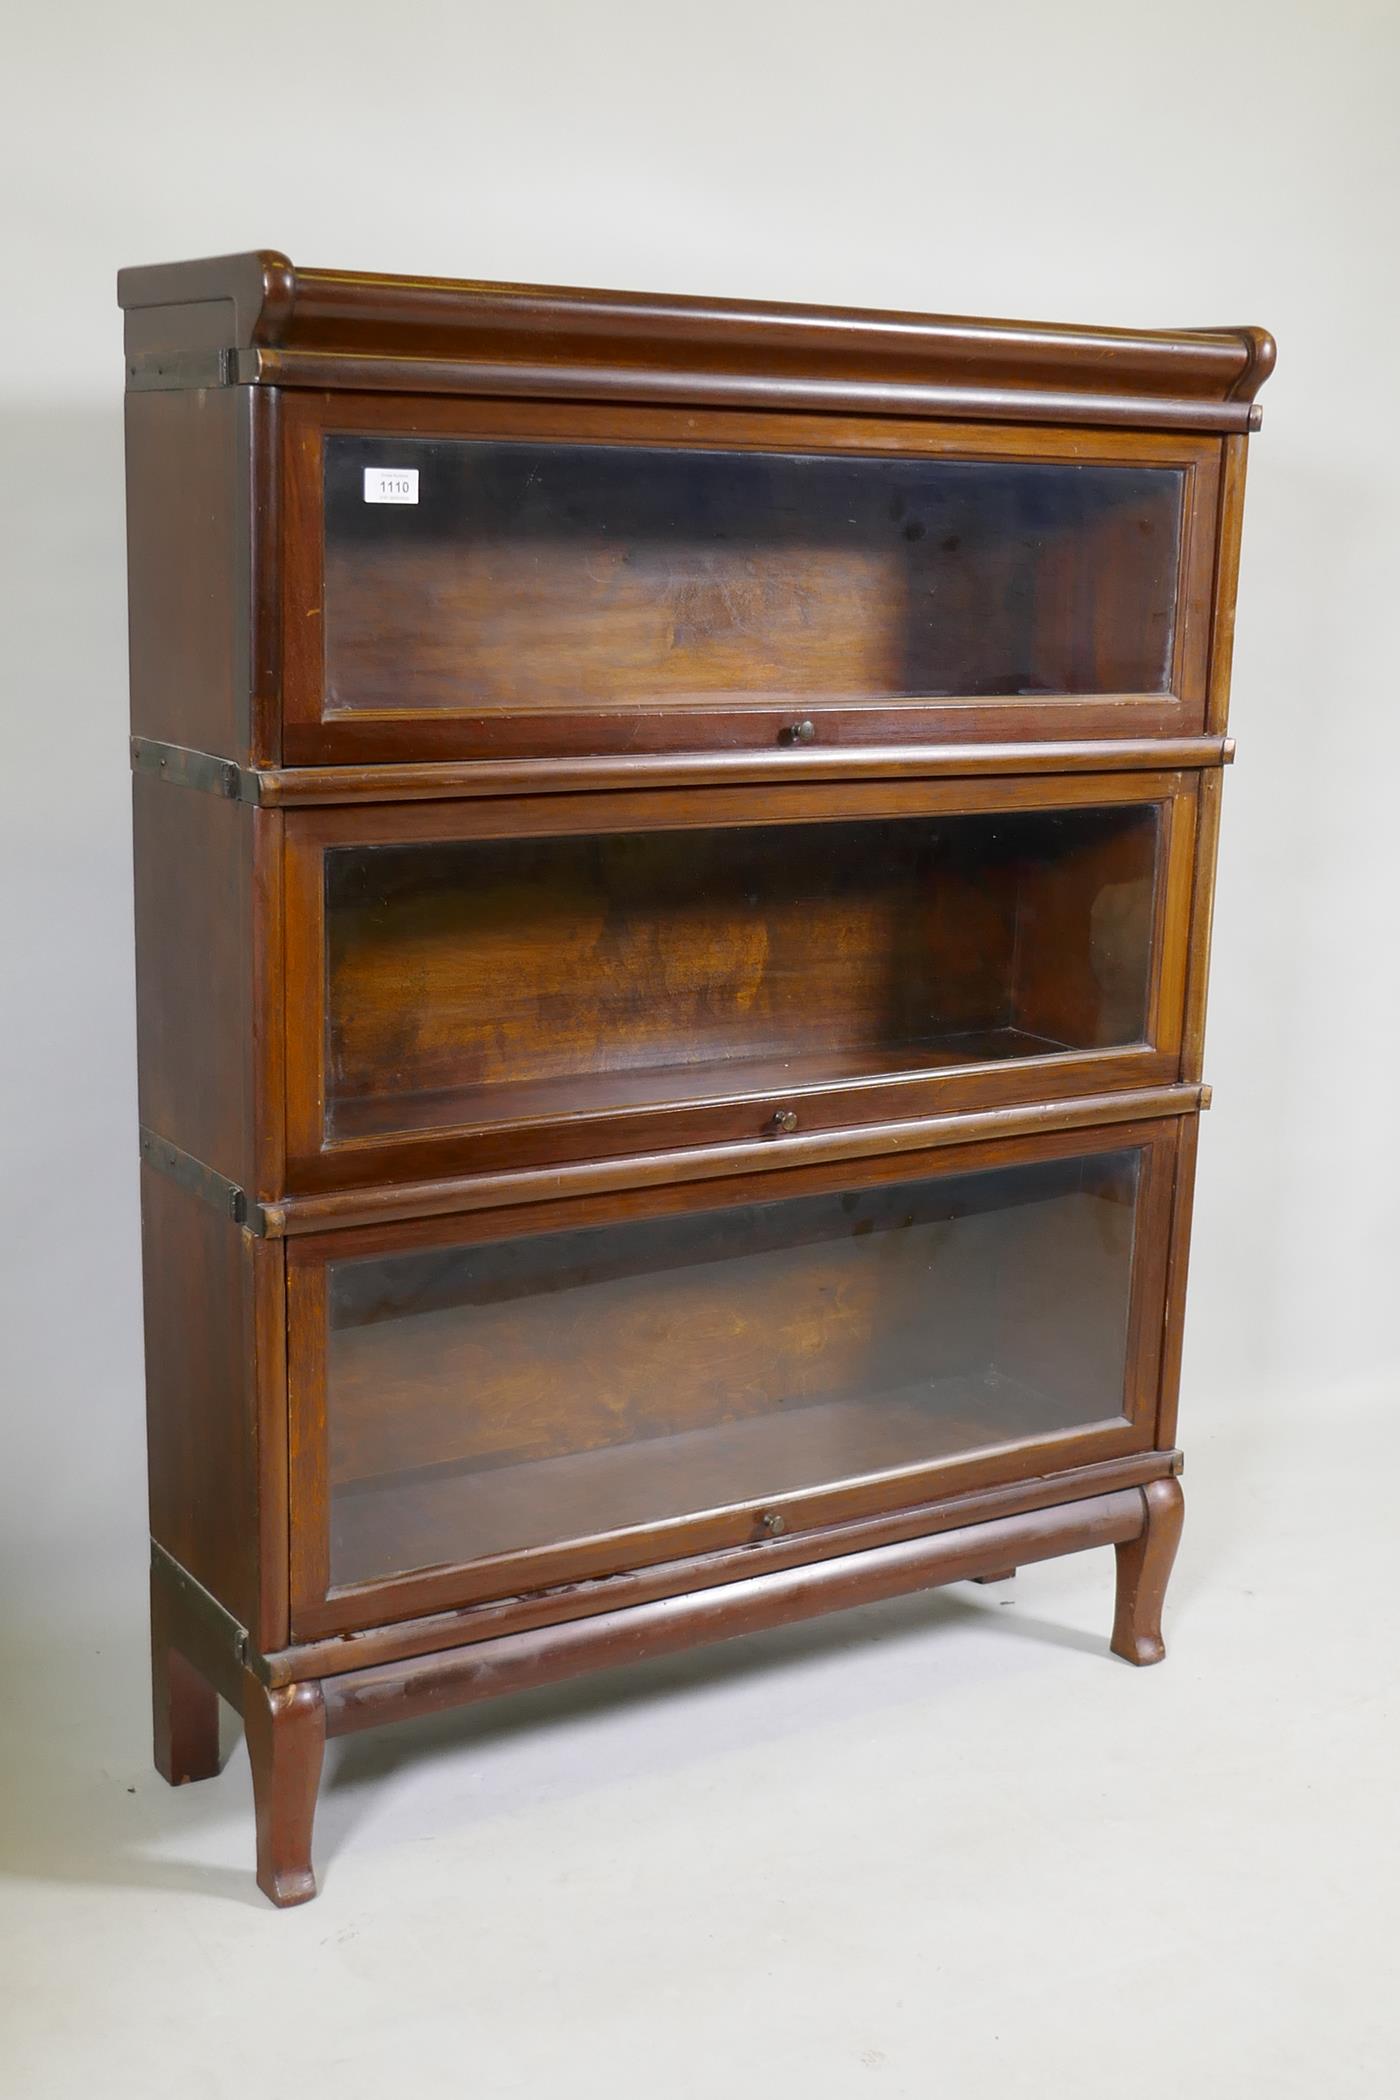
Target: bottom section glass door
[(517, 1393)]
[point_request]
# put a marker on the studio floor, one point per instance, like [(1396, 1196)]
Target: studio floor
[(943, 1846)]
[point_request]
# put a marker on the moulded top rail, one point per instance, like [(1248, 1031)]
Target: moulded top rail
[(257, 319)]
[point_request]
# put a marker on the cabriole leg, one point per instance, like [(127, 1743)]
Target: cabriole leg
[(184, 1705), (1144, 1564), (286, 1731)]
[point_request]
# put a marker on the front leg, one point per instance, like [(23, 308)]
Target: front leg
[(1144, 1564), (286, 1731)]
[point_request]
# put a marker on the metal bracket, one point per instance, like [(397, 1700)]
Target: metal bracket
[(216, 1189), (163, 371), (228, 1636), (195, 769)]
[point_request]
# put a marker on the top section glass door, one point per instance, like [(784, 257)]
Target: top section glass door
[(549, 583), (516, 574)]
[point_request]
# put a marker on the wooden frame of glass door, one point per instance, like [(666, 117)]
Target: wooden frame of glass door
[(318, 1609), (315, 1163), (314, 734)]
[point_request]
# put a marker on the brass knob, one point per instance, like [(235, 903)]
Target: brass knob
[(804, 732), (785, 1119)]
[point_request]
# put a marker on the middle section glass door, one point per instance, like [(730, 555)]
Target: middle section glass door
[(498, 982)]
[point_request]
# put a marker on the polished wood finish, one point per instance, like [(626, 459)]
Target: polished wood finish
[(552, 1653), (193, 881), (331, 1655), (286, 1732), (202, 548), (1144, 1566), (299, 787), (416, 1204), (202, 1369), (600, 651), (184, 1704), (287, 1727), (671, 972), (688, 1020), (208, 885), (188, 541), (318, 1608), (338, 329)]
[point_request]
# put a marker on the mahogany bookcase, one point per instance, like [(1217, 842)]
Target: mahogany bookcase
[(674, 851)]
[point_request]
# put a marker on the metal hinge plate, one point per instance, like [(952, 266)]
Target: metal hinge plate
[(164, 371), (216, 1189), (195, 769), (226, 1630)]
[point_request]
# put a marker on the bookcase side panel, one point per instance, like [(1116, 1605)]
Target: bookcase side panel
[(201, 1389), (195, 906), (189, 509)]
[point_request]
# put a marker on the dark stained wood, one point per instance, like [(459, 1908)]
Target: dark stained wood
[(601, 656), (194, 973), (437, 965), (299, 787), (184, 1704), (548, 1655), (209, 978), (1144, 1566), (618, 1102), (263, 989), (688, 950), (216, 1402), (286, 1732), (641, 807), (319, 327), (271, 1621), (964, 941), (428, 1632), (220, 301), (188, 498), (940, 1474), (308, 1489), (318, 371), (1227, 577), (1178, 1260), (411, 1206), (1202, 914), (201, 1405), (266, 538)]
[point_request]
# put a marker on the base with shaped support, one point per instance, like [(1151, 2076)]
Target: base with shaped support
[(195, 1656)]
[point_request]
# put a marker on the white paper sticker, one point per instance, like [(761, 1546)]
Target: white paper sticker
[(391, 484)]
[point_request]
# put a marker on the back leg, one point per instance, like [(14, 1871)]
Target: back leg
[(184, 1705)]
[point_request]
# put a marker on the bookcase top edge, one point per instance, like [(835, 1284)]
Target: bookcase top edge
[(260, 301)]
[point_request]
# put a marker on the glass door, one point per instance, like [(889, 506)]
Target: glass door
[(497, 579), (497, 982), (509, 1400)]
